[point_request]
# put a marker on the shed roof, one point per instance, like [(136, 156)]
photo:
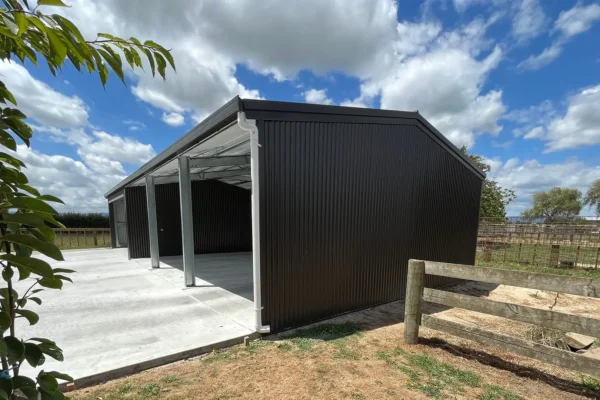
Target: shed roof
[(227, 115)]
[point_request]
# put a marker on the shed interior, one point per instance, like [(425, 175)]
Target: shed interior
[(219, 171)]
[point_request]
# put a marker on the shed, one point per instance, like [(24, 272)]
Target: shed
[(324, 204)]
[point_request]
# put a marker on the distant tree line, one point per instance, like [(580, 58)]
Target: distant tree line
[(83, 220), (563, 204)]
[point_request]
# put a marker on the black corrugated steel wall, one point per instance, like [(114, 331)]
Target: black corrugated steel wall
[(221, 212), (138, 240), (344, 206), (113, 228), (222, 218)]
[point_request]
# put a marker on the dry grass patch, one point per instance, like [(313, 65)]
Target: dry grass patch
[(332, 361)]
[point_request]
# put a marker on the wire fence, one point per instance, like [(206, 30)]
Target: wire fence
[(559, 245)]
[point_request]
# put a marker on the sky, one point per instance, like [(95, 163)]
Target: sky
[(516, 81)]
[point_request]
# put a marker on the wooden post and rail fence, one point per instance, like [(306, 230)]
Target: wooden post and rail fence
[(416, 293), (82, 237)]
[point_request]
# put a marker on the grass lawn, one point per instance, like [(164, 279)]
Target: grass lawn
[(575, 272), (539, 254), (329, 362)]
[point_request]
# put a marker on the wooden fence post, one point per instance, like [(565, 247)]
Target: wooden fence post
[(96, 239), (414, 292), (597, 257), (554, 255), (577, 256), (519, 255)]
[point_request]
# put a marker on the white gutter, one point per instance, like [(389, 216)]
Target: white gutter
[(250, 126)]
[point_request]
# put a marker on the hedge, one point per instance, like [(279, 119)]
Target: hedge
[(83, 220)]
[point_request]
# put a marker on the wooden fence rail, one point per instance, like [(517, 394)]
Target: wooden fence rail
[(416, 293), (70, 237)]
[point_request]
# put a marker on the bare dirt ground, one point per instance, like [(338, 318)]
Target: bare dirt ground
[(363, 357)]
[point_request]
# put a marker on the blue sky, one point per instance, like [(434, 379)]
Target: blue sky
[(518, 82)]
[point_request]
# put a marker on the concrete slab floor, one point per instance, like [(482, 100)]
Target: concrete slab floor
[(119, 312)]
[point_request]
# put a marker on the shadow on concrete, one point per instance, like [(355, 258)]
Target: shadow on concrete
[(229, 271)]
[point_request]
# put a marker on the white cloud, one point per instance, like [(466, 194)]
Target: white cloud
[(316, 96), (173, 119), (535, 133), (118, 148), (569, 23), (100, 143), (535, 62), (349, 39), (577, 126), (578, 19), (580, 126), (134, 125), (39, 101), (529, 21), (79, 186), (445, 86), (101, 164), (531, 120), (532, 176)]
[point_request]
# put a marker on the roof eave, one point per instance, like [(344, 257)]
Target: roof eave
[(211, 124)]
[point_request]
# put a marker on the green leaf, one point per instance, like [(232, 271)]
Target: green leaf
[(57, 45), (33, 354), (30, 316), (57, 395), (15, 162), (52, 351), (63, 278), (7, 140), (16, 349), (51, 283), (60, 375), (49, 197), (29, 203), (30, 189), (32, 220), (48, 383), (107, 36), (50, 218), (23, 381), (63, 271), (36, 300), (12, 27), (46, 248), (57, 3), (150, 60), (22, 251), (113, 60), (43, 340), (38, 24), (22, 22), (6, 386), (5, 321), (161, 64), (3, 348), (30, 392), (166, 53), (3, 395), (7, 274), (4, 292), (24, 273)]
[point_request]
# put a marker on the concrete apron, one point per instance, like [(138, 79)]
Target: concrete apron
[(102, 377), (120, 317)]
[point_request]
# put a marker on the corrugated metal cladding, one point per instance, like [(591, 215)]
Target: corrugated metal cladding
[(222, 219), (113, 228), (344, 206), (138, 240)]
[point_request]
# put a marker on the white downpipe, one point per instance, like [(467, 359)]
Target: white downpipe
[(250, 126)]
